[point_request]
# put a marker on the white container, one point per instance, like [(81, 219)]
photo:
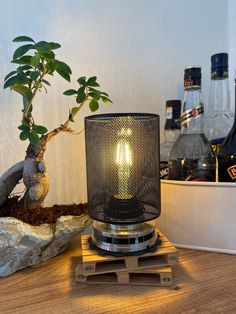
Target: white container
[(199, 215)]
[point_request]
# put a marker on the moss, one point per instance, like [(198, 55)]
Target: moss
[(13, 207)]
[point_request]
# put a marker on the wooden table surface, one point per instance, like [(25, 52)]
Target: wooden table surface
[(205, 283)]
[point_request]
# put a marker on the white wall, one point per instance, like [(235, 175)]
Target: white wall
[(137, 48)]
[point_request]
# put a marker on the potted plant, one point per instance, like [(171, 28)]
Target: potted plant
[(30, 233)]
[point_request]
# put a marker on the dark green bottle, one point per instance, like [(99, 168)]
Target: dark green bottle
[(227, 155)]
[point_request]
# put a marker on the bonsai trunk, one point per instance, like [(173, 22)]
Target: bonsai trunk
[(35, 176), (34, 172)]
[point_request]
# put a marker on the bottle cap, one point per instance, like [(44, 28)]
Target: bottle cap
[(192, 77), (219, 66), (173, 110)]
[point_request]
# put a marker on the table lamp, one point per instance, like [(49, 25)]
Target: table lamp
[(122, 160)]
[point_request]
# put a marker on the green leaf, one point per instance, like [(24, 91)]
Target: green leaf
[(25, 122), (46, 82), (22, 78), (24, 127), (22, 50), (48, 55), (93, 105), (54, 46), (96, 96), (65, 75), (94, 84), (62, 66), (103, 93), (9, 75), (34, 138), (24, 135), (105, 99), (45, 89), (23, 90), (43, 46), (39, 129), (51, 66), (94, 90), (71, 117), (74, 110), (11, 81), (23, 60), (24, 67), (34, 75), (82, 80), (91, 80), (70, 92), (35, 60), (81, 95), (72, 113), (22, 38)]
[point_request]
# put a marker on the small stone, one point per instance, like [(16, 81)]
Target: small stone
[(22, 245)]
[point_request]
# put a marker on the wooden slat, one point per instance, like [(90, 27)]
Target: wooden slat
[(142, 277), (93, 262)]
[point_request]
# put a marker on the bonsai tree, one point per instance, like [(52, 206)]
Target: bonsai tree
[(35, 62)]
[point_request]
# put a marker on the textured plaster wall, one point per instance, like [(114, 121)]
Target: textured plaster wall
[(137, 48)]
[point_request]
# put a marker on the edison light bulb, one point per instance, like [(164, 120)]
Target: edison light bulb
[(124, 162)]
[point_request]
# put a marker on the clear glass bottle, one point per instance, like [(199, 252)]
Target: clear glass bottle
[(227, 154), (171, 132), (191, 157), (218, 118)]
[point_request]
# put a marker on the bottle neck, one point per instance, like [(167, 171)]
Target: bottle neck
[(219, 97), (170, 135), (192, 112)]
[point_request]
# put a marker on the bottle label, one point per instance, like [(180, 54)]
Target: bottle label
[(190, 114), (219, 73), (216, 144), (232, 172), (227, 167), (164, 170), (169, 113)]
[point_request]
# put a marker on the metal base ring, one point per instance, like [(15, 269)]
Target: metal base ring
[(123, 238)]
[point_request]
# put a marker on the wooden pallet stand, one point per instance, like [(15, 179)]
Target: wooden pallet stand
[(93, 263), (161, 277), (152, 268)]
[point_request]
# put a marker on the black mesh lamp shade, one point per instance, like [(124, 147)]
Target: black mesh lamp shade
[(122, 156)]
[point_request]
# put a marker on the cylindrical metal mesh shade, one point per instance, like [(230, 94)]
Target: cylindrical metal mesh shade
[(122, 153)]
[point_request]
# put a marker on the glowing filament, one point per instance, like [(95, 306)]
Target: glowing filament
[(124, 162)]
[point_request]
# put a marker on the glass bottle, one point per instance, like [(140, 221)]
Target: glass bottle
[(171, 132), (227, 154), (191, 157), (218, 118)]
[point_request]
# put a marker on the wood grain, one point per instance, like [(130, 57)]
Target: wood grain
[(206, 283)]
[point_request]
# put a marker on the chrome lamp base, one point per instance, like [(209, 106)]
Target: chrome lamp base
[(123, 238)]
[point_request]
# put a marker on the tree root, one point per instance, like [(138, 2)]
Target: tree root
[(9, 180)]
